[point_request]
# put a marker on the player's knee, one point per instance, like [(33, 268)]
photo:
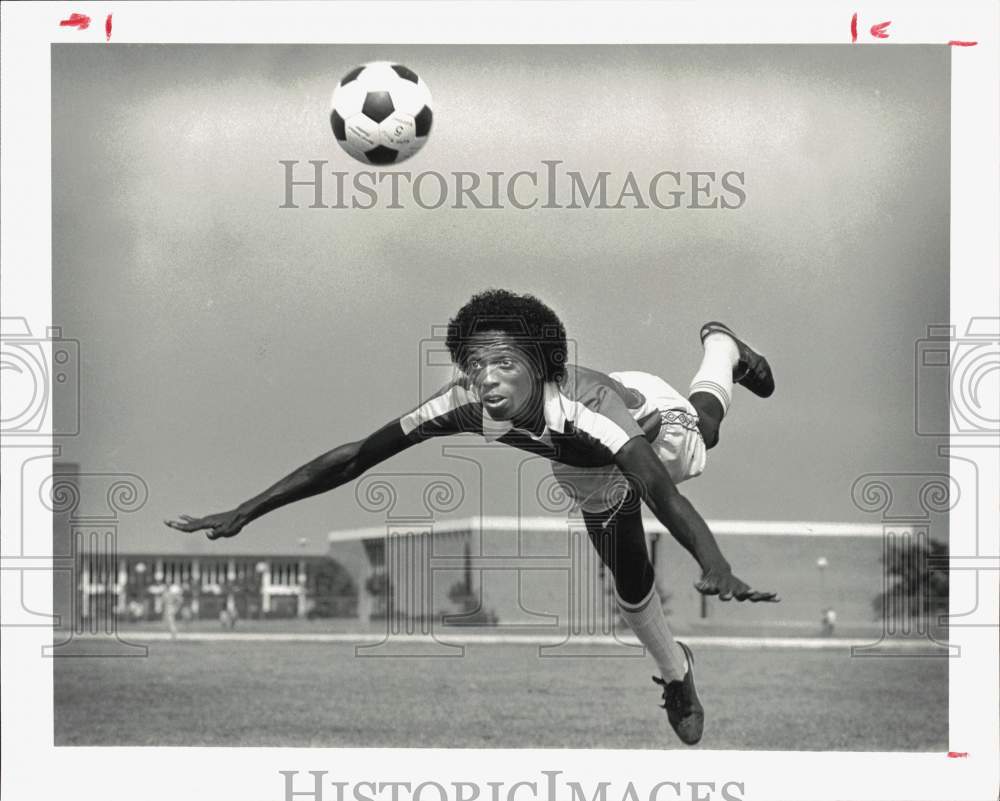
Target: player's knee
[(710, 414), (633, 586), (709, 432)]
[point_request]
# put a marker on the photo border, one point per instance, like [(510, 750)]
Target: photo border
[(34, 767)]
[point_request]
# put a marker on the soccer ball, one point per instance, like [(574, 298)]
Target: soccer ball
[(381, 113)]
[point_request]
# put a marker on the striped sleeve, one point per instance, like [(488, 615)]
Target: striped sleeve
[(603, 415), (453, 410)]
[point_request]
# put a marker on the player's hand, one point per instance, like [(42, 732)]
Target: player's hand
[(721, 581), (224, 524)]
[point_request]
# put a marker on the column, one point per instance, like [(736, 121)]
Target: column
[(195, 588), (905, 502), (96, 566), (974, 549), (501, 562), (408, 504), (230, 582), (302, 589), (265, 587), (592, 626), (121, 587), (84, 582), (27, 566)]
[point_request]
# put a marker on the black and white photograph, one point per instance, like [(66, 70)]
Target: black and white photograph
[(588, 401)]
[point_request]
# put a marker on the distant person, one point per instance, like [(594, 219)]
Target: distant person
[(227, 618), (173, 598), (187, 603), (136, 610), (614, 439), (829, 621)]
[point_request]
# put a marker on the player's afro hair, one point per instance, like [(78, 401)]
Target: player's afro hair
[(534, 327)]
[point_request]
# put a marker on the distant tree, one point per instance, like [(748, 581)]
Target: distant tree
[(331, 590), (917, 572), (329, 577), (377, 584), (380, 588)]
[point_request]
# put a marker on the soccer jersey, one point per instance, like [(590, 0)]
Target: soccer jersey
[(588, 417)]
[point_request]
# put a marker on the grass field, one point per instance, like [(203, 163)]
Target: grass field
[(197, 693)]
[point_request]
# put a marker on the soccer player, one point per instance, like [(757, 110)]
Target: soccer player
[(614, 441)]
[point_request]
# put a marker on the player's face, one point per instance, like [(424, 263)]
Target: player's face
[(502, 376)]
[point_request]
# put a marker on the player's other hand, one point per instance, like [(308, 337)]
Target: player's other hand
[(224, 524), (721, 581)]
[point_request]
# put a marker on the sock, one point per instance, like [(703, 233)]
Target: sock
[(715, 375), (650, 626)]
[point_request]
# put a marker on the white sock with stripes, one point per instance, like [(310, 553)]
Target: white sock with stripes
[(646, 619), (715, 376)]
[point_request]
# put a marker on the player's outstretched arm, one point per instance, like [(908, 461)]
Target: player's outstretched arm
[(322, 474), (650, 478)]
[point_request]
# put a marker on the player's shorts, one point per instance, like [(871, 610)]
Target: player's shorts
[(678, 444)]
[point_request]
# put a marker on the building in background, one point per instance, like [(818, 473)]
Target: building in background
[(535, 572), (246, 587)]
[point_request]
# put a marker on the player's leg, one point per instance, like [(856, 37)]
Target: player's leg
[(621, 542), (727, 359)]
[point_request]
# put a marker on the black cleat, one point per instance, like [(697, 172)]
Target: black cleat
[(752, 370), (680, 699)]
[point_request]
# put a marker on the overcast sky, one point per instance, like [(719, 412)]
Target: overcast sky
[(225, 341)]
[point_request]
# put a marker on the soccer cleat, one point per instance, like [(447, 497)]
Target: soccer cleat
[(752, 370), (680, 699)]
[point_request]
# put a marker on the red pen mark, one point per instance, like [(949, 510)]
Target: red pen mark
[(107, 28), (878, 31), (958, 754), (81, 21)]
